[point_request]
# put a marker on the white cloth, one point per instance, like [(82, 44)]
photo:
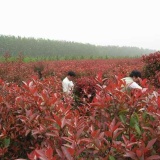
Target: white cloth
[(67, 85), (130, 84)]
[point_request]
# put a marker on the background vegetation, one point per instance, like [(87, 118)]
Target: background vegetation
[(38, 49)]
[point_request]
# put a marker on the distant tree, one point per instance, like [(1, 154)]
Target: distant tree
[(59, 49)]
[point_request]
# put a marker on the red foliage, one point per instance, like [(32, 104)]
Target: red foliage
[(37, 123), (152, 67)]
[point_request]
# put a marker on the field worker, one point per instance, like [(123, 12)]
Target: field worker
[(133, 81), (67, 83)]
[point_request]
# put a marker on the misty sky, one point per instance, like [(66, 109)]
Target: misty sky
[(100, 22)]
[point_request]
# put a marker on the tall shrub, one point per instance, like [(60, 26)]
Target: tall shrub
[(152, 68)]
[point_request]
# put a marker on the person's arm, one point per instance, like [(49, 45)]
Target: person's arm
[(134, 85)]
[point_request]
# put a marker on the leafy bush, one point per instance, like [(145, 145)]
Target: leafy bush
[(37, 124), (85, 89), (152, 68)]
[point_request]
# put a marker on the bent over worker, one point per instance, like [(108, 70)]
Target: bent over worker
[(67, 83)]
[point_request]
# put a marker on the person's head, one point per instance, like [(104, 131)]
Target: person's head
[(71, 75), (136, 75)]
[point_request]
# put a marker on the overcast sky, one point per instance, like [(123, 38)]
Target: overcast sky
[(100, 22)]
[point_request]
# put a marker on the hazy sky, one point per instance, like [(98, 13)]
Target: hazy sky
[(100, 22)]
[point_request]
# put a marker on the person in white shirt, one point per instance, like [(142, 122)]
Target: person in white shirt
[(133, 81), (67, 83)]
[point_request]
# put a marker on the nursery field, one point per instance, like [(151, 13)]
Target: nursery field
[(99, 122)]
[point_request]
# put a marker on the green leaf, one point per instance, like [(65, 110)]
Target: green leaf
[(137, 129), (123, 111), (152, 118), (123, 118), (111, 158), (6, 142), (122, 115), (134, 120), (144, 115)]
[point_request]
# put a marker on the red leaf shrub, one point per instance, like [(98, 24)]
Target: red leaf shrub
[(152, 68), (37, 124)]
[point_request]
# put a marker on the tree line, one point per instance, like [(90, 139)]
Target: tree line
[(32, 47)]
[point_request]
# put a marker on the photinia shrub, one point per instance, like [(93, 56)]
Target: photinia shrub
[(36, 123), (152, 68)]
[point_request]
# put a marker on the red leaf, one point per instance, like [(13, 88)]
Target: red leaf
[(57, 120), (125, 140), (27, 132), (144, 83), (66, 153), (150, 143), (95, 133), (44, 94), (130, 154), (1, 81), (156, 157), (139, 153), (101, 135), (79, 132), (116, 133), (112, 125), (63, 122), (71, 151), (99, 77), (87, 140), (49, 152), (59, 153), (108, 134), (33, 155), (33, 89), (68, 139), (1, 99), (150, 129), (54, 134), (159, 101)]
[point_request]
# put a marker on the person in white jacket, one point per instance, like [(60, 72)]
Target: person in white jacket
[(133, 81), (67, 83)]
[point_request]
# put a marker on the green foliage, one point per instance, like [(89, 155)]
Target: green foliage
[(58, 50)]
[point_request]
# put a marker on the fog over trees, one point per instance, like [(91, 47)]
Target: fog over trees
[(64, 50)]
